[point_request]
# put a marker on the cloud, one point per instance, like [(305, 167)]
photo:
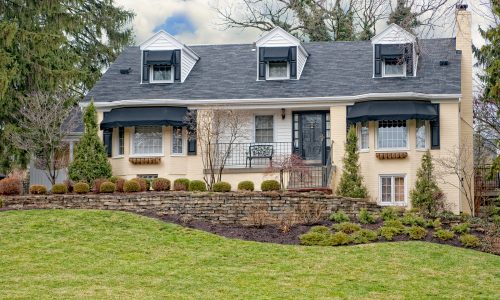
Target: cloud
[(177, 24)]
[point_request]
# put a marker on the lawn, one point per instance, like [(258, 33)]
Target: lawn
[(103, 254)]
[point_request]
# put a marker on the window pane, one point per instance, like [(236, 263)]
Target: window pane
[(162, 73), (399, 189), (263, 129), (363, 136), (393, 66), (386, 189), (278, 69), (391, 135), (148, 140), (177, 140), (421, 134)]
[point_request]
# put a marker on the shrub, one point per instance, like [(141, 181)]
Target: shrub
[(444, 235), (312, 238), (69, 185), (119, 185), (339, 217), (496, 220), (38, 189), (11, 186), (395, 224), (364, 236), (113, 179), (412, 219), (107, 187), (320, 229), (143, 185), (161, 184), (221, 187), (388, 232), (461, 228), (365, 217), (246, 186), (416, 232), (131, 186), (81, 188), (340, 238), (59, 188), (436, 224), (389, 213), (346, 227), (1, 202), (148, 184), (96, 187), (181, 184), (197, 186), (270, 185), (469, 240), (426, 196)]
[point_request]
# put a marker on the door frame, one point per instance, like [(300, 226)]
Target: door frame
[(297, 143)]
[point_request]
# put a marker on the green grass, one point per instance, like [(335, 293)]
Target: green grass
[(103, 254)]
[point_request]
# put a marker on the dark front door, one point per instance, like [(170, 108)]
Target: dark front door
[(309, 135)]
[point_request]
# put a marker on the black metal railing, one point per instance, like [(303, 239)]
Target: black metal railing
[(251, 155), (307, 177)]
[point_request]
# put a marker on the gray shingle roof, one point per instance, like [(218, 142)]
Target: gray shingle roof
[(332, 69)]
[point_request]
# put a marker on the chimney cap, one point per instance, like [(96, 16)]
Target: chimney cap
[(462, 6)]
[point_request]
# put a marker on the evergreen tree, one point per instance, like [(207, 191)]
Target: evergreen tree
[(48, 46), (351, 182), (91, 160), (404, 17), (426, 195), (344, 20)]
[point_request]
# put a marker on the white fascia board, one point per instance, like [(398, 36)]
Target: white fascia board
[(266, 102), (278, 30), (170, 38), (400, 33)]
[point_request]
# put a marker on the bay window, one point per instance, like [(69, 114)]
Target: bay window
[(177, 140), (147, 140), (392, 189), (392, 135)]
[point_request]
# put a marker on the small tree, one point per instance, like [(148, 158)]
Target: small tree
[(90, 161), (426, 195), (351, 182), (294, 165)]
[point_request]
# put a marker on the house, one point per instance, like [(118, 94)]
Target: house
[(405, 95)]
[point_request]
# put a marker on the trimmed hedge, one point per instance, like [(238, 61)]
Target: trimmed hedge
[(96, 187), (81, 188), (119, 185), (11, 186), (107, 187), (197, 186), (132, 186), (113, 179), (38, 189), (246, 185), (161, 184), (181, 184), (222, 187), (270, 185), (59, 188), (143, 184)]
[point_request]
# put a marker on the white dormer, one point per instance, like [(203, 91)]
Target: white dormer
[(165, 60), (280, 56), (394, 53)]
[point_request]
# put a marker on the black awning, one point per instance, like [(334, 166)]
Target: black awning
[(276, 53), (144, 116), (392, 110), (159, 57)]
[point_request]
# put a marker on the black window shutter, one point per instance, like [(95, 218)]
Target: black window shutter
[(409, 59), (435, 138), (293, 62), (177, 65), (145, 67), (107, 137), (191, 142), (377, 62), (262, 65), (121, 140)]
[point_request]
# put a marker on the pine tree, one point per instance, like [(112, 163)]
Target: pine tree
[(351, 182), (344, 30), (404, 17), (90, 161), (426, 195)]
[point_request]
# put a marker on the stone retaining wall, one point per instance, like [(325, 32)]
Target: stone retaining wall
[(226, 208)]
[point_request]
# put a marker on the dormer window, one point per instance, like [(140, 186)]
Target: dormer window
[(161, 66), (394, 67), (277, 63), (161, 74), (278, 70)]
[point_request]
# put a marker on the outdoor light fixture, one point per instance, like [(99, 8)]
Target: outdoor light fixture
[(283, 113)]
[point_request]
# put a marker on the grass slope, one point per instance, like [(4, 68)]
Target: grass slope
[(103, 254)]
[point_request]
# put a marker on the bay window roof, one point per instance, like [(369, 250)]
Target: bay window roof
[(392, 111)]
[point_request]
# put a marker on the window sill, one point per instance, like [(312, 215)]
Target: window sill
[(422, 149), (392, 203), (146, 155), (364, 151), (177, 154), (118, 157), (391, 150), (283, 78)]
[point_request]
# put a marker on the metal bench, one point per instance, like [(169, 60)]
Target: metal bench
[(259, 151)]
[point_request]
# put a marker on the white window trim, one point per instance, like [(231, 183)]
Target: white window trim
[(255, 126), (393, 189), (116, 144), (358, 127), (395, 75), (278, 78), (151, 78), (184, 142), (131, 145), (427, 136), (407, 148)]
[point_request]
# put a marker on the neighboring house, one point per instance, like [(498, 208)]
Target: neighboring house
[(405, 95)]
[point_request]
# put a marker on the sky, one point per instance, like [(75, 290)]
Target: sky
[(197, 22)]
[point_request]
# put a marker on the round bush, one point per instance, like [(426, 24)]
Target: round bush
[(107, 187), (197, 186), (181, 184), (59, 188), (96, 187), (38, 189), (222, 187), (246, 185), (113, 179), (270, 185), (131, 186), (142, 184), (161, 184), (119, 185), (11, 186), (81, 188)]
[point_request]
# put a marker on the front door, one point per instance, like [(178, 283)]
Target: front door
[(310, 134)]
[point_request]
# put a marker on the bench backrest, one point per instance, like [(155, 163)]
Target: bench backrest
[(261, 150)]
